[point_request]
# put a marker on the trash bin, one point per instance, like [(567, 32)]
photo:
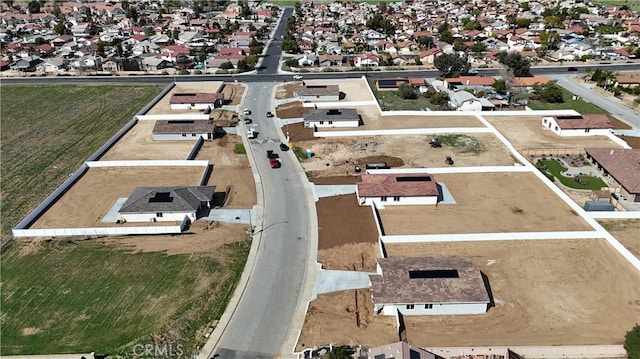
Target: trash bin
[(309, 153)]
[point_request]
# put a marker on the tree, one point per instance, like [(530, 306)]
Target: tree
[(551, 93), (452, 64), (407, 92), (516, 63), (56, 10), (500, 86), (290, 46), (33, 7), (523, 23), (632, 342), (446, 36), (472, 25), (550, 39), (478, 48), (40, 40), (60, 28), (226, 65), (459, 45), (338, 353), (440, 99)]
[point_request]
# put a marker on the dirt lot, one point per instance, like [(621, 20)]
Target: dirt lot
[(626, 231), (163, 107), (86, 202), (353, 89), (546, 293), (525, 132), (232, 94), (341, 153), (224, 118), (362, 257), (292, 110), (487, 203), (634, 142), (332, 317), (138, 144), (203, 237), (230, 169), (336, 228)]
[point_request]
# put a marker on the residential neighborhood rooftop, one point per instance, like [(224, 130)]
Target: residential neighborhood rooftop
[(200, 98), (182, 126), (343, 114), (586, 121), (167, 199), (391, 185), (621, 164), (316, 90), (428, 280)]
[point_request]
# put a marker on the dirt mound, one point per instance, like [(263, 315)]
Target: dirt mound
[(389, 160)]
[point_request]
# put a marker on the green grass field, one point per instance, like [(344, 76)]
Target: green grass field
[(585, 182), (48, 131), (579, 105), (392, 101), (80, 296), (632, 4)]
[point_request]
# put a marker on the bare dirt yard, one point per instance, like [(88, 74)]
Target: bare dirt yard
[(229, 170), (545, 292), (351, 89), (342, 221), (138, 144), (342, 153), (87, 201), (626, 231), (224, 118), (232, 93), (334, 318), (297, 132), (203, 237), (163, 106), (486, 203), (526, 132), (292, 110)]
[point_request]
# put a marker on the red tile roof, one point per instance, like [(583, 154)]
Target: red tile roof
[(472, 80), (621, 164), (378, 185)]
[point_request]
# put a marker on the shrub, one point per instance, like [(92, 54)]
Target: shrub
[(239, 149), (407, 92), (632, 342), (197, 72)]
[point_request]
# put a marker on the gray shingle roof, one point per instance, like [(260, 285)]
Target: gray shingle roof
[(343, 114), (395, 285), (167, 199)]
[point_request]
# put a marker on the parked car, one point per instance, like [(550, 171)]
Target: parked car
[(247, 111), (247, 120), (297, 77), (269, 114), (572, 69), (274, 162), (269, 153), (284, 147)]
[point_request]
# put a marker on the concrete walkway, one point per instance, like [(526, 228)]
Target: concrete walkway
[(322, 191), (336, 280), (230, 215)]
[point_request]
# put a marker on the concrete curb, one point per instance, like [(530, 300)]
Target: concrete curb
[(211, 346)]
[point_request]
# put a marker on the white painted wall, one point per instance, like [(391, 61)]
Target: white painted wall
[(403, 201), (436, 309), (176, 117), (149, 163), (180, 137), (191, 106), (320, 98), (326, 124), (550, 123), (151, 217)]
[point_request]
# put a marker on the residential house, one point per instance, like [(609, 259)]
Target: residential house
[(330, 60), (366, 60), (397, 189), (621, 166), (529, 81), (583, 125), (399, 350), (163, 204), (428, 286), (344, 117), (628, 79), (27, 64), (391, 83), (429, 56), (457, 83), (110, 65), (317, 93), (466, 101), (52, 65), (153, 63), (182, 130), (195, 101)]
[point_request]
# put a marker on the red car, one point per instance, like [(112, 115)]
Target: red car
[(274, 162)]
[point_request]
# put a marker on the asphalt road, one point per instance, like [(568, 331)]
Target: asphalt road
[(620, 111), (260, 323), (271, 61), (265, 76)]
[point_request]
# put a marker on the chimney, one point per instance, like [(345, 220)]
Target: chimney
[(611, 152), (467, 82)]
